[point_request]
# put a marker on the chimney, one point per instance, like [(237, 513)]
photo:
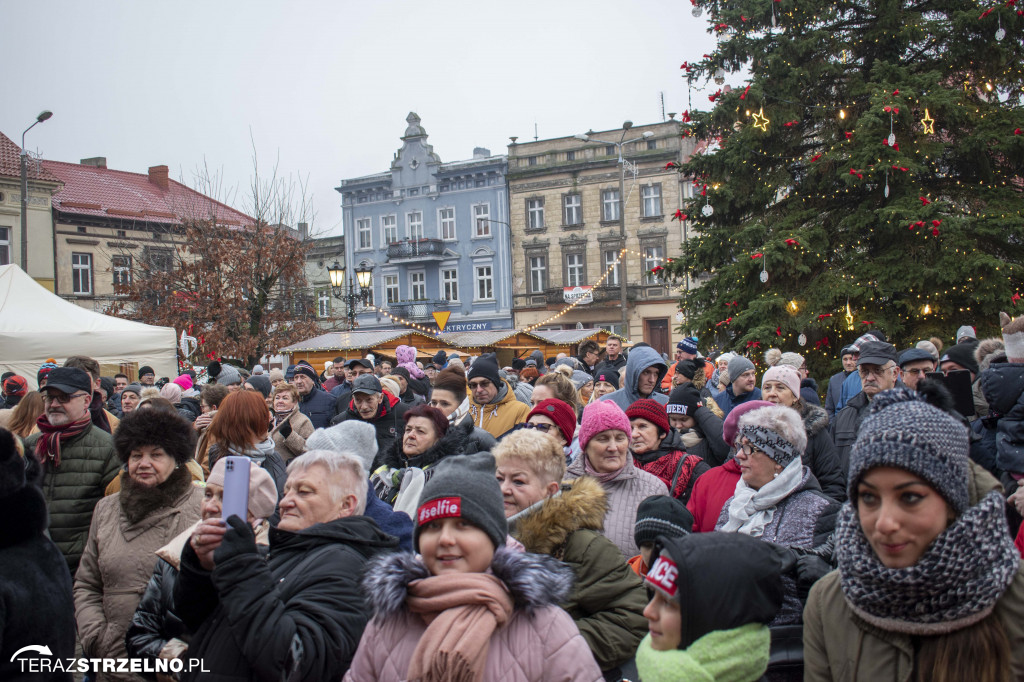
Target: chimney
[(158, 176), (96, 161), (481, 153), (303, 232)]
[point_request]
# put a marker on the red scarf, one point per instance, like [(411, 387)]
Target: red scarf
[(48, 445), (676, 466)]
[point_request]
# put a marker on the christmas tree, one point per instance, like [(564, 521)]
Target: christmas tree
[(866, 174)]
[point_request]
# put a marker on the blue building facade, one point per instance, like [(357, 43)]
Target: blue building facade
[(436, 236)]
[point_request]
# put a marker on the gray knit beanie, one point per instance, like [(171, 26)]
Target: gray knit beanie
[(351, 435), (905, 432), (228, 375), (738, 365), (464, 486)]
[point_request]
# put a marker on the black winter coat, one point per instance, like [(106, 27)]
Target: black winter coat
[(389, 423), (809, 392), (453, 442), (298, 614), (820, 456), (189, 408), (846, 426), (318, 406), (713, 448), (155, 622), (36, 605), (1003, 386)]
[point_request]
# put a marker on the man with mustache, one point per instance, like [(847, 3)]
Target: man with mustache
[(77, 458), (879, 371)]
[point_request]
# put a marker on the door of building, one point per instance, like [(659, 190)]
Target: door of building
[(656, 333)]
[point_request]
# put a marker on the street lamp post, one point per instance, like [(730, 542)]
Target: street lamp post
[(359, 293), (43, 116), (626, 125)]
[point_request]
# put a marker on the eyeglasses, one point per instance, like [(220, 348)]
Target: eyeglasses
[(474, 385), (62, 398), (543, 428), (749, 449)]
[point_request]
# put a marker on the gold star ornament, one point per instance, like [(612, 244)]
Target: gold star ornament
[(761, 121), (929, 123)]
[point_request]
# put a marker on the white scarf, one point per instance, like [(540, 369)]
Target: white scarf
[(751, 510)]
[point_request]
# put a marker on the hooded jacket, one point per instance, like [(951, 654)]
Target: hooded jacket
[(820, 455), (608, 599), (35, 584), (671, 463), (639, 359), (538, 642), (297, 615), (388, 422), (809, 392), (625, 492), (1003, 386), (501, 414)]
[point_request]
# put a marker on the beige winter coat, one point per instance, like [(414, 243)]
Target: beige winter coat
[(116, 566), (295, 444)]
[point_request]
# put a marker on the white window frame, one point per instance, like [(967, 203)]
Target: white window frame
[(417, 285), (651, 200), (81, 266), (484, 282), (391, 291), (538, 265), (450, 284), (609, 256), (323, 304), (414, 227), (535, 214), (5, 245), (653, 255), (611, 209), (572, 207), (364, 235), (388, 229), (481, 220), (575, 269), (446, 225), (121, 275)]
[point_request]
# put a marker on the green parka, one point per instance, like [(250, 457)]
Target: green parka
[(608, 599), (88, 463)]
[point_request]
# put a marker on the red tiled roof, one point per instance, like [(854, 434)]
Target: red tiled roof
[(10, 162), (102, 192)]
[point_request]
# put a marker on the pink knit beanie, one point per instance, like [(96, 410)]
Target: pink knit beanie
[(730, 426), (185, 381), (784, 374), (602, 416)]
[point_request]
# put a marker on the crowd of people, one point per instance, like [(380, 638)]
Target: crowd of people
[(608, 515)]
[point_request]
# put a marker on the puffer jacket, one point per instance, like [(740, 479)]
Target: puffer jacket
[(118, 561), (318, 406), (608, 599), (839, 646), (294, 444), (538, 642), (296, 614), (676, 468), (639, 359), (1003, 386), (804, 519), (502, 414), (820, 455), (710, 493), (625, 492), (88, 465), (389, 422)]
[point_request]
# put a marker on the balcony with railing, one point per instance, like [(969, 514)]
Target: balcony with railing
[(602, 294), (417, 311), (416, 249)]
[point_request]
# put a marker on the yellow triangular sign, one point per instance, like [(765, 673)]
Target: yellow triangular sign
[(442, 319)]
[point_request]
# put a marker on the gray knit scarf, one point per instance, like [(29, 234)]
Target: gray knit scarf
[(955, 583)]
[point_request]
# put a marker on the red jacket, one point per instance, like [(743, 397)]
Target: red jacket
[(710, 493)]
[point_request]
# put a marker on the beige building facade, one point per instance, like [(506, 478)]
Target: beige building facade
[(42, 185), (565, 208)]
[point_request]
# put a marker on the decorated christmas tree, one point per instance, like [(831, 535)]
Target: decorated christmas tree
[(865, 170)]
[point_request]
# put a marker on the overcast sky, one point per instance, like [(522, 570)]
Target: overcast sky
[(324, 87)]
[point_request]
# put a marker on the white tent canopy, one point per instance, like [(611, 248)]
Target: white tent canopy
[(36, 325)]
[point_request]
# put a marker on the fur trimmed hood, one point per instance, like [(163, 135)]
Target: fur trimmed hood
[(453, 442), (533, 580), (545, 526), (989, 351), (815, 419)]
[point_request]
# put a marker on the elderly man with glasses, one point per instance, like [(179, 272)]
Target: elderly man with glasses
[(77, 459)]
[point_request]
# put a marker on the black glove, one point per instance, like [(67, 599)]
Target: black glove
[(810, 568), (286, 429), (239, 539)]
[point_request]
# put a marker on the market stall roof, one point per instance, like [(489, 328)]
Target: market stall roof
[(562, 337), (358, 340), (478, 339)]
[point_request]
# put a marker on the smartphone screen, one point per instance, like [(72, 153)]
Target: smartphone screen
[(236, 487)]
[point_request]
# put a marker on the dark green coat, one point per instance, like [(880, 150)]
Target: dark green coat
[(608, 599), (87, 464)]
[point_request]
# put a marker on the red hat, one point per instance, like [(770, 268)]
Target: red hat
[(15, 386), (652, 411), (559, 412)]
